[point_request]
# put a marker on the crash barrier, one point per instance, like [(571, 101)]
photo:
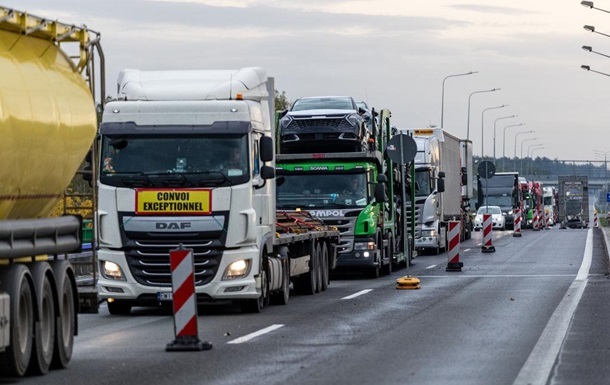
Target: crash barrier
[(453, 252), (184, 302), (487, 244), (517, 223)]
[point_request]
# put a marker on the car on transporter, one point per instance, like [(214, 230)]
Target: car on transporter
[(498, 220), (324, 124)]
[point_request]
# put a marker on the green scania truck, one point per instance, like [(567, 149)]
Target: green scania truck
[(355, 192)]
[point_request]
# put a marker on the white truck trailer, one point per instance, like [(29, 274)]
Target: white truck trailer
[(187, 157), (439, 187)]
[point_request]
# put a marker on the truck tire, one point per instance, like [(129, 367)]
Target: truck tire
[(257, 305), (306, 283), (324, 267), (16, 282), (44, 326), (318, 267), (118, 307), (65, 321), (282, 296)]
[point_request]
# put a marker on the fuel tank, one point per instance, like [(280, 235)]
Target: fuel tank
[(47, 124)]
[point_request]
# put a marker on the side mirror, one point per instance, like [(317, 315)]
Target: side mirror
[(380, 193), (440, 187), (441, 174), (266, 149), (267, 172), (382, 178)]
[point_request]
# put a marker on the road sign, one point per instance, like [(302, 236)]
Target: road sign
[(608, 197), (402, 149), (486, 169)]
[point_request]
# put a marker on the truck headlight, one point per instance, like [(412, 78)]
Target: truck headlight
[(237, 269), (428, 233), (364, 246), (111, 270)]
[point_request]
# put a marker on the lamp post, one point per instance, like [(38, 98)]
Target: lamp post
[(590, 49), (592, 29), (605, 154), (496, 121), (469, 97), (531, 161), (504, 142), (532, 147), (521, 157), (590, 5), (483, 125), (515, 154), (586, 67), (443, 92)]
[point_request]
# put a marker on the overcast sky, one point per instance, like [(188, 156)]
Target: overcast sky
[(392, 53)]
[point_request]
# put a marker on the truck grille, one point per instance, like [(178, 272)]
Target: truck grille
[(345, 226), (418, 208), (149, 264)]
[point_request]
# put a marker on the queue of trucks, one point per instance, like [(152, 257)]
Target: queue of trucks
[(269, 203)]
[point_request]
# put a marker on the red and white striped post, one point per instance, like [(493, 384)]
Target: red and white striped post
[(536, 220), (453, 259), (184, 303), (487, 245), (517, 222), (595, 219)]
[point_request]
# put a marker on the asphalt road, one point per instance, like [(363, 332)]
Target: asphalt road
[(520, 315)]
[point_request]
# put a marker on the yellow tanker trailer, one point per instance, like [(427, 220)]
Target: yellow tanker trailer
[(48, 122)]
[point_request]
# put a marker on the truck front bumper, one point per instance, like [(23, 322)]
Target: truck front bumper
[(426, 242), (216, 290), (358, 259)]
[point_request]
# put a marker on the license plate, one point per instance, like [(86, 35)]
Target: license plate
[(164, 296)]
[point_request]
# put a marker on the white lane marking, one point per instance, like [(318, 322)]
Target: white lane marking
[(431, 267), (358, 294), (466, 275), (250, 336), (466, 249), (539, 364)]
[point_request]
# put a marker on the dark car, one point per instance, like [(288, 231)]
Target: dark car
[(324, 124)]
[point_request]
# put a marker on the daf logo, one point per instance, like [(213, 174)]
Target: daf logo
[(172, 225)]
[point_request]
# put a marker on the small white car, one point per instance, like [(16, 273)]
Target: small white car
[(498, 221)]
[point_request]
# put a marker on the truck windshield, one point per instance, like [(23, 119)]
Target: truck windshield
[(502, 201), (423, 182), (323, 190), (186, 160)]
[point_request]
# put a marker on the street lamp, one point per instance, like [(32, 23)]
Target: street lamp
[(605, 154), (592, 29), (504, 141), (521, 157), (482, 123), (585, 67), (532, 147), (496, 121), (443, 92), (531, 161), (590, 49), (515, 154), (469, 97), (590, 5)]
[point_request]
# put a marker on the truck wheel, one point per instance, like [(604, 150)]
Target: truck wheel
[(324, 267), (318, 268), (65, 321), (15, 282), (118, 307), (45, 328), (306, 283), (257, 305), (282, 296)]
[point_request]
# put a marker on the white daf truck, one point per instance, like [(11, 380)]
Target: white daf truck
[(187, 158)]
